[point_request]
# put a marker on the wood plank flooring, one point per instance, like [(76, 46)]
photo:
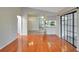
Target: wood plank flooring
[(47, 43), (12, 47), (40, 43)]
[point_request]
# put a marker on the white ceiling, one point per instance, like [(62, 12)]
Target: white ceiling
[(50, 9), (47, 11)]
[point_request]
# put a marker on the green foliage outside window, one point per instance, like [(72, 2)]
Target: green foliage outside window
[(52, 23)]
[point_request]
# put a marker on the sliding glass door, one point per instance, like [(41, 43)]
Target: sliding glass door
[(69, 27)]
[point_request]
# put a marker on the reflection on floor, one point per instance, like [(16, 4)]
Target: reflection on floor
[(41, 43), (47, 43)]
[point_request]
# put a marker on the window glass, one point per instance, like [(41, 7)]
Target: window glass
[(69, 27)]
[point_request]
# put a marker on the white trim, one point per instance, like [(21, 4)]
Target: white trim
[(7, 43)]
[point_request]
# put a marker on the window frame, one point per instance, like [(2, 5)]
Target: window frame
[(72, 25)]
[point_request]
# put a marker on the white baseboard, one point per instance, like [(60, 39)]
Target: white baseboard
[(7, 43)]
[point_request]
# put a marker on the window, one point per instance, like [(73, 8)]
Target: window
[(69, 27)]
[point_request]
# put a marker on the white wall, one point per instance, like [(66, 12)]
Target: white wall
[(26, 11), (8, 25), (78, 30), (24, 18), (24, 24), (33, 23), (55, 29)]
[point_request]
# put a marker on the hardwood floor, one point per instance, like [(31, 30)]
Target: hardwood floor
[(12, 47), (40, 43), (47, 43)]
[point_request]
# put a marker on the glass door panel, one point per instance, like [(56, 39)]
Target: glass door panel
[(69, 27)]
